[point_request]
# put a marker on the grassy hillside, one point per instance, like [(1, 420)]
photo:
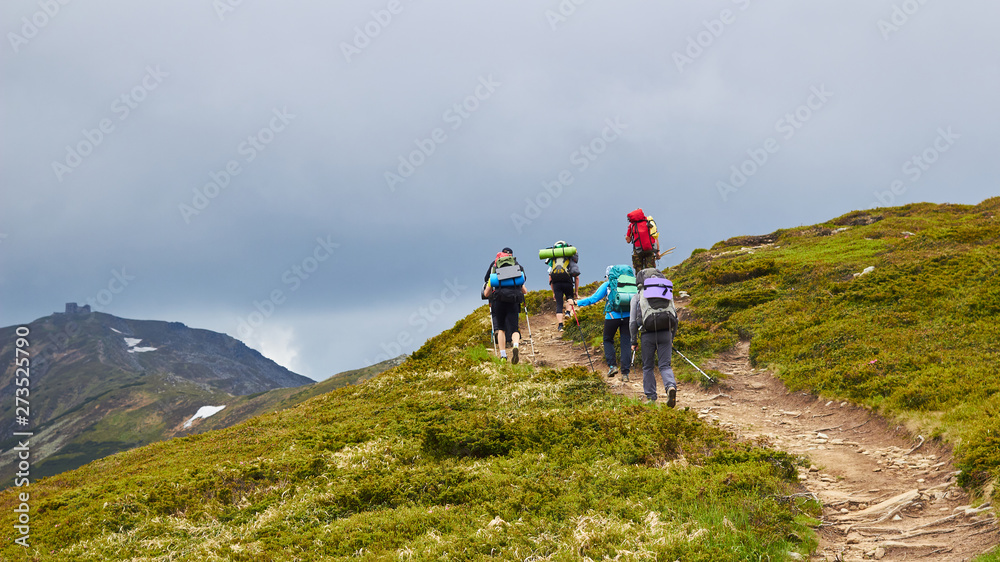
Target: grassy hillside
[(449, 455), (92, 395), (454, 455), (131, 410), (915, 338), (240, 408)]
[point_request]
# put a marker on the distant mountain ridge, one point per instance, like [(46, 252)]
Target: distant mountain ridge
[(101, 384)]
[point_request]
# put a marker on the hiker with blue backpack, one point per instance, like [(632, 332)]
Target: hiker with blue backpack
[(564, 275), (618, 288), (652, 310), (504, 288)]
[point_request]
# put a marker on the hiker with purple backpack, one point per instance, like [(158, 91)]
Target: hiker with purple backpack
[(652, 310)]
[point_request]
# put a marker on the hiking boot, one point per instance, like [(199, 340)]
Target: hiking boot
[(649, 401), (671, 397), (559, 327), (513, 360), (612, 371), (625, 377)]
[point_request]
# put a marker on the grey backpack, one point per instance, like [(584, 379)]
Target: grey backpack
[(656, 302)]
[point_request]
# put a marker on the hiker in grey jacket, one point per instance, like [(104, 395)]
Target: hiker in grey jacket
[(659, 342)]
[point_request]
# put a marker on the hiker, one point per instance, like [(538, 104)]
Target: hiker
[(564, 275), (652, 309), (645, 240), (618, 288), (504, 287)]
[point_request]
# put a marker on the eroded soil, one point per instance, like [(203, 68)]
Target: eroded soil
[(886, 494)]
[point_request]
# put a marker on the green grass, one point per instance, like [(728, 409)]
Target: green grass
[(993, 556), (915, 339), (454, 455), (450, 455)]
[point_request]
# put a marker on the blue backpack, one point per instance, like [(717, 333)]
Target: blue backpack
[(619, 298), (507, 276)]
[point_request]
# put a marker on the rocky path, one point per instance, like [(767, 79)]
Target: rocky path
[(886, 495)]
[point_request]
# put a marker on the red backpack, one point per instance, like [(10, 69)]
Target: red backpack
[(638, 231)]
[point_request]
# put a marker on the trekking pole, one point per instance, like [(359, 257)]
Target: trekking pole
[(695, 366), (584, 339), (665, 252), (493, 333), (531, 340)]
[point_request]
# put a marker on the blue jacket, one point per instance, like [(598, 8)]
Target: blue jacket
[(600, 294)]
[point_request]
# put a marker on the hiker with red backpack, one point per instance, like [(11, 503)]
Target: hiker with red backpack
[(564, 275), (618, 288), (652, 310), (645, 240), (504, 288)]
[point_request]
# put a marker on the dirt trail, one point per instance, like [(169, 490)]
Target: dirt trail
[(887, 495)]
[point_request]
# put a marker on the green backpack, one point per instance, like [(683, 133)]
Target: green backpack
[(504, 261), (627, 288), (620, 293)]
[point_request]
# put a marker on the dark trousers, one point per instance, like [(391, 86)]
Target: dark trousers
[(505, 317), (661, 344), (560, 290), (621, 326)]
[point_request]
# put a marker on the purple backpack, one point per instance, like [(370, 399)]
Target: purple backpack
[(656, 305), (658, 288)]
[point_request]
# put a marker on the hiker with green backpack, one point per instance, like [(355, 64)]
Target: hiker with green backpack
[(504, 288), (618, 288), (564, 275), (652, 310)]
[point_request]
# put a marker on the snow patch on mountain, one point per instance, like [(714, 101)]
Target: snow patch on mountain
[(132, 342), (204, 412)]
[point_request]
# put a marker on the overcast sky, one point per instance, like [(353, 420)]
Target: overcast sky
[(325, 180)]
